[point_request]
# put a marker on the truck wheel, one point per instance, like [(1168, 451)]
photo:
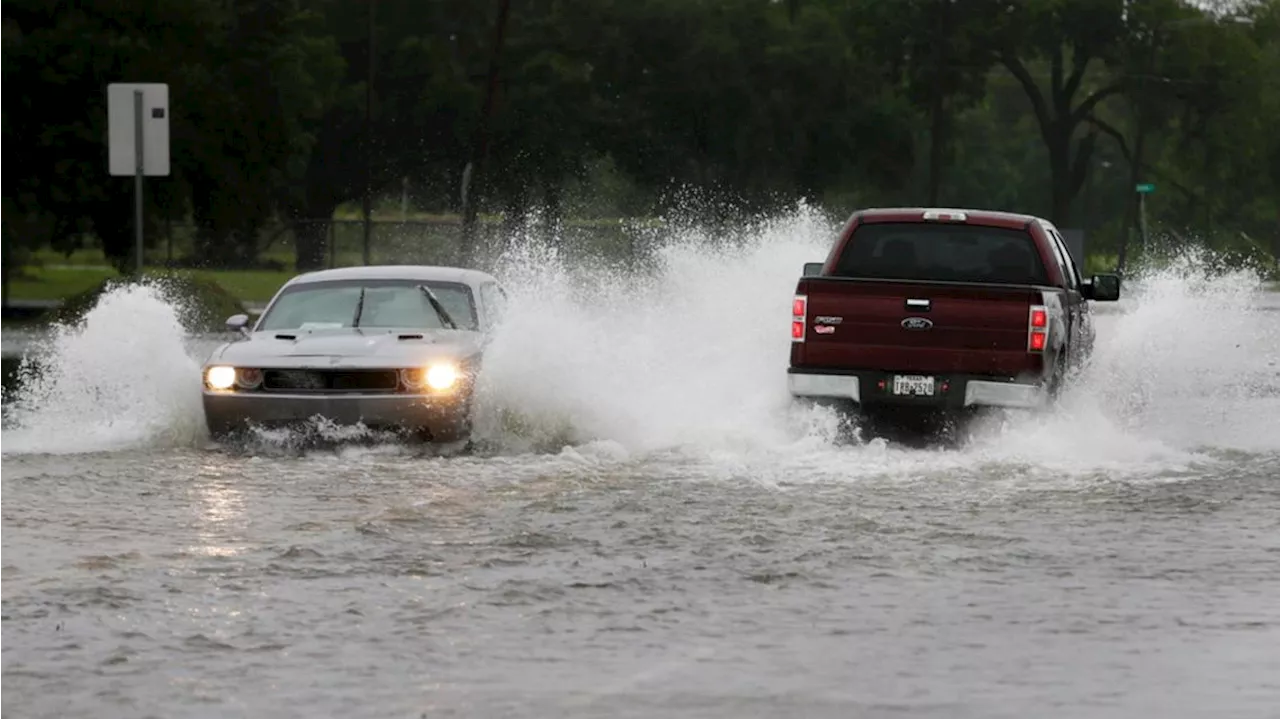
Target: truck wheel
[(1057, 381), (847, 413)]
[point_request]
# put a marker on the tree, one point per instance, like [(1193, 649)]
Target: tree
[(274, 80), (427, 57), (948, 51), (1072, 37), (58, 60)]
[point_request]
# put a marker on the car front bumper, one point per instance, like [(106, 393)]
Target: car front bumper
[(952, 391), (445, 417)]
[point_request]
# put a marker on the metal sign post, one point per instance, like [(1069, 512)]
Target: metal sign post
[(138, 141), (1143, 189)]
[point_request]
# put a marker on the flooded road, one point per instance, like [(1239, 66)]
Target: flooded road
[(651, 530)]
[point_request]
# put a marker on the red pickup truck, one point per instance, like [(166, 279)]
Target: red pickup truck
[(942, 310)]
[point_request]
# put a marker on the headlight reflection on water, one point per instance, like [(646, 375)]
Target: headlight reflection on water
[(220, 513)]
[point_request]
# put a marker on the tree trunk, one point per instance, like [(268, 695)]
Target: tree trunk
[(6, 268), (473, 181), (938, 118), (1059, 182), (937, 146), (1135, 177), (1058, 120)]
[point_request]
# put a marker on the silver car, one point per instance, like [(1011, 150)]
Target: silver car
[(387, 347)]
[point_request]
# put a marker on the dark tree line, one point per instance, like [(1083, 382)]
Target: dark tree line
[(285, 110)]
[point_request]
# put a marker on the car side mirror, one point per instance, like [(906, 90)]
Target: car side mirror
[(238, 323), (812, 269), (1102, 288)]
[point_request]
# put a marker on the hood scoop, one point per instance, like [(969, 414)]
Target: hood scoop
[(286, 337)]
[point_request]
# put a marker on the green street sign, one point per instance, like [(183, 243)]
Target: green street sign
[(1145, 188)]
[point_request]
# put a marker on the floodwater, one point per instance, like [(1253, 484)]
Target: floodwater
[(650, 529)]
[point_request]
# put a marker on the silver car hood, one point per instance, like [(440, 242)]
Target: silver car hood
[(349, 348)]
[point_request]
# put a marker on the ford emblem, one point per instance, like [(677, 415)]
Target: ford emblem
[(917, 323)]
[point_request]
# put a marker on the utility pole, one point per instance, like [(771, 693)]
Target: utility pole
[(367, 203), (1142, 221), (5, 264), (1142, 100), (473, 174)]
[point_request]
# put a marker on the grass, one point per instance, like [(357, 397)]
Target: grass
[(249, 285), (206, 304), (61, 282), (57, 283)]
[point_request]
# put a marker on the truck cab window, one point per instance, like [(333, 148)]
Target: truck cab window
[(941, 252), (1070, 271)]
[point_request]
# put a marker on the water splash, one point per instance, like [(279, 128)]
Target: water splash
[(1191, 359), (121, 378), (691, 356), (690, 353), (682, 360)]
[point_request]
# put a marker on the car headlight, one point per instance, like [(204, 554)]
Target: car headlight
[(248, 377), (220, 377), (441, 376)]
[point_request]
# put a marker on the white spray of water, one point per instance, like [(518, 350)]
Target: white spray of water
[(692, 358), (686, 363), (686, 356), (1193, 360), (120, 379)]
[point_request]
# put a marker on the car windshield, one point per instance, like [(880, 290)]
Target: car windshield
[(386, 303), (942, 252)]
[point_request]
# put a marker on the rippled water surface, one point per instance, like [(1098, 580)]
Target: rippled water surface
[(650, 529)]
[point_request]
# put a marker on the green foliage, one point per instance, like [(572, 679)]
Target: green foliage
[(203, 305), (285, 110)]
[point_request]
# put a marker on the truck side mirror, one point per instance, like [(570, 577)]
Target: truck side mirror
[(812, 269), (1102, 288)]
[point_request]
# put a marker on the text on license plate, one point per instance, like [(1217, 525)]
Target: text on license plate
[(913, 384)]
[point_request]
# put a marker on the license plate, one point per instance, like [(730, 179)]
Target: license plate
[(913, 385)]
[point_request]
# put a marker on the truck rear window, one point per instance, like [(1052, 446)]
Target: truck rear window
[(942, 252)]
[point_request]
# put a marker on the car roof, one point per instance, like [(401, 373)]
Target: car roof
[(984, 217), (424, 273)]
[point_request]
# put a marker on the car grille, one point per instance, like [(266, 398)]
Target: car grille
[(318, 380)]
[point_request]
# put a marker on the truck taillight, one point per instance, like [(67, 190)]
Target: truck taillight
[(799, 308), (1038, 329)]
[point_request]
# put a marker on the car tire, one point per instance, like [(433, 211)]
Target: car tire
[(458, 429), (1058, 381)]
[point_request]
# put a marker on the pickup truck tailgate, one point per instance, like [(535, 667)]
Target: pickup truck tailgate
[(916, 327)]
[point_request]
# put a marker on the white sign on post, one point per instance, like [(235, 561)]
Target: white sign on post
[(138, 140), (122, 132)]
